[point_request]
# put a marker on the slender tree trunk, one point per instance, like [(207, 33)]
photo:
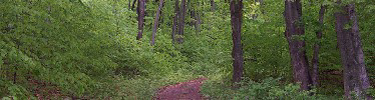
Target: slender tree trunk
[(175, 23), (49, 9), (133, 5), (115, 11), (349, 42), (294, 29), (15, 74), (181, 25), (194, 14), (315, 59), (156, 22), (213, 6), (197, 20), (236, 21), (188, 5), (141, 14)]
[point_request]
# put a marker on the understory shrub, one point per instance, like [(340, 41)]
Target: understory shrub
[(267, 89)]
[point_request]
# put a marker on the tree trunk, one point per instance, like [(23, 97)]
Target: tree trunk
[(129, 4), (156, 22), (213, 5), (194, 14), (349, 42), (294, 29), (315, 59), (133, 5), (236, 21), (197, 20), (177, 13), (116, 12), (15, 74), (141, 14), (181, 25)]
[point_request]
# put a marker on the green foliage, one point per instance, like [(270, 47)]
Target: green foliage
[(87, 48), (82, 48), (371, 91), (267, 89), (265, 48), (10, 90), (60, 43)]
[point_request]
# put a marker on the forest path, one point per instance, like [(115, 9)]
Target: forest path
[(182, 91)]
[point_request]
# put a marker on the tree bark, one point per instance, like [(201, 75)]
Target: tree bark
[(213, 6), (15, 75), (175, 23), (116, 12), (349, 42), (133, 5), (315, 59), (236, 21), (156, 22), (194, 14), (197, 20), (129, 4), (181, 25), (141, 14), (294, 29)]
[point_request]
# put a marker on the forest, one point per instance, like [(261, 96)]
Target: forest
[(187, 50)]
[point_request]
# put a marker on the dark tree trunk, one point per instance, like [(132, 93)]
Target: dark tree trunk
[(133, 5), (141, 14), (213, 5), (315, 59), (15, 75), (294, 29), (236, 21), (188, 5), (156, 22), (352, 57), (181, 25), (115, 11), (197, 20), (176, 17)]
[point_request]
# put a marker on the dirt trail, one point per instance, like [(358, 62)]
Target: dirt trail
[(182, 91)]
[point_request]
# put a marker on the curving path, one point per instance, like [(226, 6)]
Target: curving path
[(181, 91)]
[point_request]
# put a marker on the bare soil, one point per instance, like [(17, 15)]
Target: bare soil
[(182, 91)]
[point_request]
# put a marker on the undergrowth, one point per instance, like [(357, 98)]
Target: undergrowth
[(267, 89)]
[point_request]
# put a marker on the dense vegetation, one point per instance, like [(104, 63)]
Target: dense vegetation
[(91, 49)]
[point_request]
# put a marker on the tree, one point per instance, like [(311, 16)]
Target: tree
[(156, 22), (174, 27), (141, 14), (195, 15), (315, 59), (133, 5), (212, 5), (237, 54), (293, 33), (181, 24), (197, 21), (352, 57)]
